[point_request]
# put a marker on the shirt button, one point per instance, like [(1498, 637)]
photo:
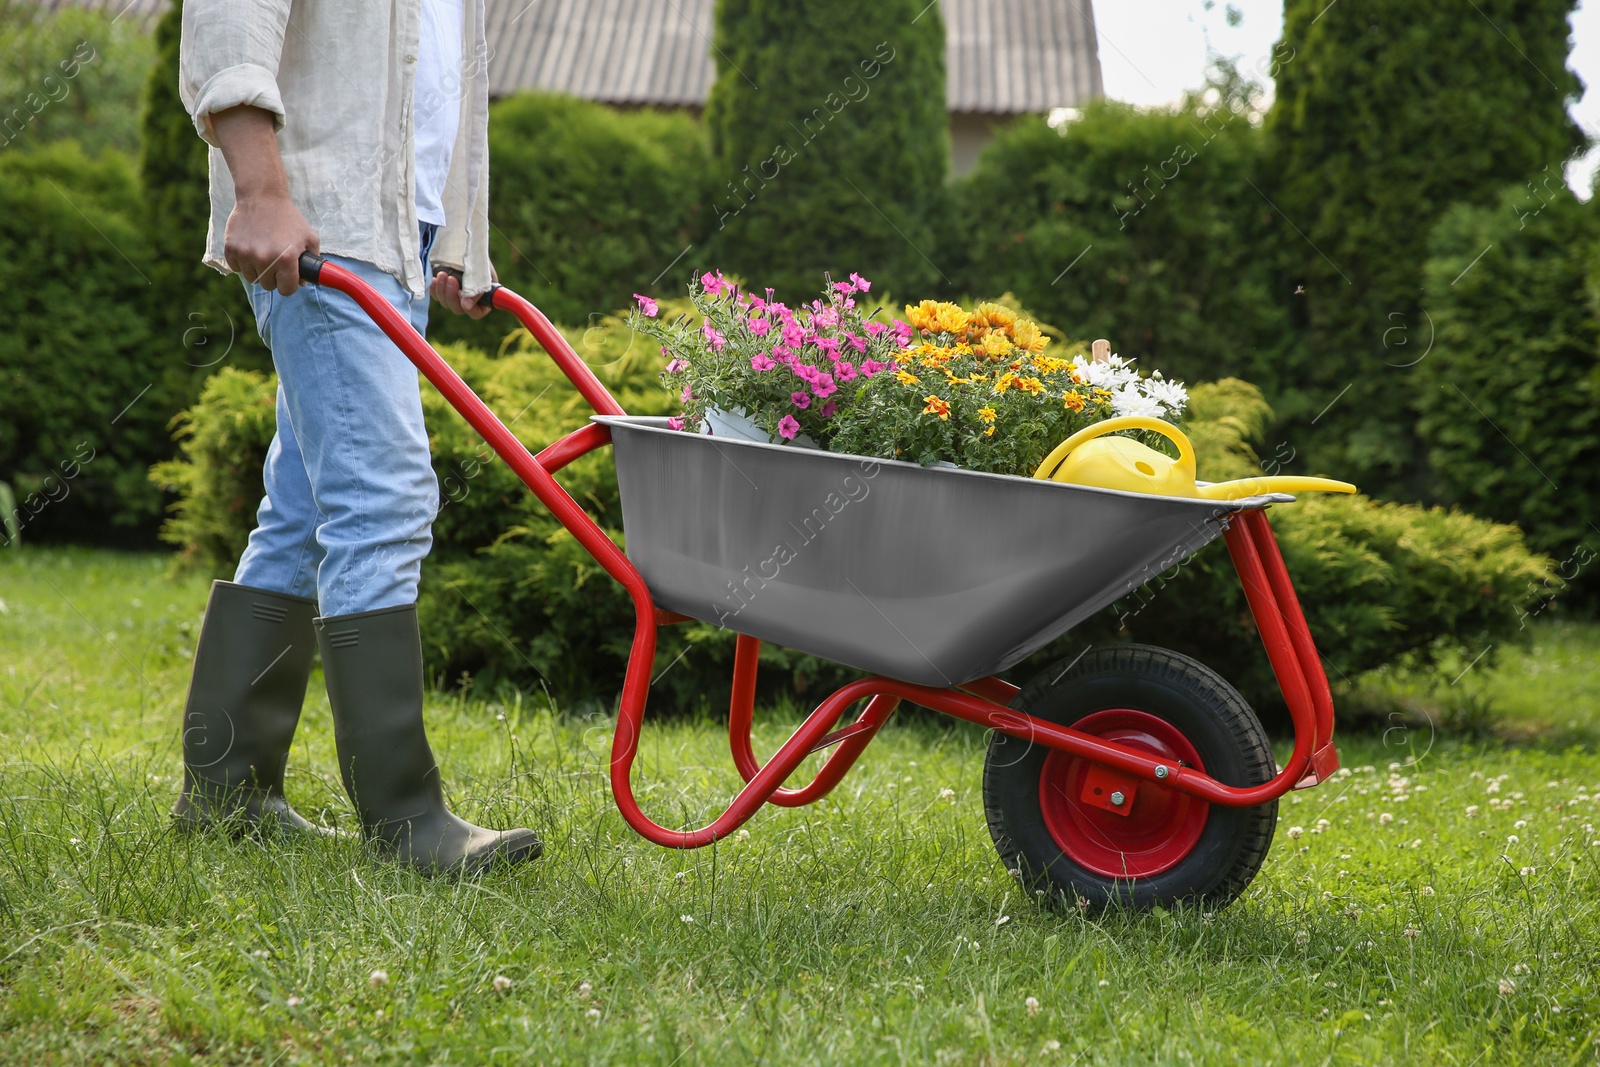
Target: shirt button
[(411, 57)]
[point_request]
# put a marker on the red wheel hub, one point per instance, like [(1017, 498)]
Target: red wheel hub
[(1150, 829)]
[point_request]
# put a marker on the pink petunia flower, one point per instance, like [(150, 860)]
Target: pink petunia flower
[(687, 394), (801, 400), (826, 319), (824, 386), (759, 326), (781, 354), (845, 370), (714, 284), (902, 333), (788, 428), (869, 367), (713, 336), (677, 365), (828, 410), (857, 342), (862, 285), (829, 345), (761, 361), (876, 328), (793, 335), (650, 308), (675, 423)]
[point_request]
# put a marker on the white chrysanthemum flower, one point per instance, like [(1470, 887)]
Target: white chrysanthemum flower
[(1129, 400), (1172, 395)]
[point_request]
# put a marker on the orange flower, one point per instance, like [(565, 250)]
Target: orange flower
[(1030, 385), (936, 406), (1004, 382), (1073, 400)]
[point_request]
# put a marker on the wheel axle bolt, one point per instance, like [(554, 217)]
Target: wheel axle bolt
[(1162, 772), (1117, 799)]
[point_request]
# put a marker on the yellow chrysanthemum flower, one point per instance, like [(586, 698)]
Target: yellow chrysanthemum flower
[(995, 346), (921, 315), (994, 315), (1028, 336), (949, 318), (987, 414), (933, 405)]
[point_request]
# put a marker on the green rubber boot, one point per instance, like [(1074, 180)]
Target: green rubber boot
[(373, 662), (250, 673)]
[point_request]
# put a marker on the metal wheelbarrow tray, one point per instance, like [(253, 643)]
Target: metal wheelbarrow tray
[(929, 575), (1137, 780)]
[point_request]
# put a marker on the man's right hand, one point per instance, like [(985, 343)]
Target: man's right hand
[(266, 233)]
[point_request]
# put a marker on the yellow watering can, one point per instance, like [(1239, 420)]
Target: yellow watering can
[(1089, 457)]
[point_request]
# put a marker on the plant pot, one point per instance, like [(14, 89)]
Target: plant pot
[(734, 424)]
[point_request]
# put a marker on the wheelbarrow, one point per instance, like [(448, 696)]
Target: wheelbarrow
[(1130, 775)]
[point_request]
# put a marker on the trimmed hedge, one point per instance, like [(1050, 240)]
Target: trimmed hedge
[(84, 400), (1136, 225), (510, 597), (831, 142), (587, 205), (1388, 114), (1510, 392)]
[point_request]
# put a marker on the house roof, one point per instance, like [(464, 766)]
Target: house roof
[(1005, 57)]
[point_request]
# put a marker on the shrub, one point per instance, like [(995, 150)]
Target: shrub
[(70, 74), (830, 139), (510, 597), (199, 319), (79, 382), (587, 205), (1510, 392), (1136, 225), (1380, 583), (1387, 115)]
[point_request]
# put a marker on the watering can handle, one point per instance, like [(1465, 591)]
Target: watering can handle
[(1124, 422)]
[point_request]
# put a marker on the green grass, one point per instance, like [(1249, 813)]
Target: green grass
[(876, 927)]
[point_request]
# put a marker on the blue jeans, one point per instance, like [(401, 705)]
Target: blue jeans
[(350, 489)]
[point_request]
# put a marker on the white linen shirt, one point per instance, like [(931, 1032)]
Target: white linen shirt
[(338, 76)]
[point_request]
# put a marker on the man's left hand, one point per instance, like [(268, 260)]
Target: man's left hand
[(446, 289)]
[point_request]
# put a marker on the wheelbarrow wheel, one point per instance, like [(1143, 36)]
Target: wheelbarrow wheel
[(1082, 834)]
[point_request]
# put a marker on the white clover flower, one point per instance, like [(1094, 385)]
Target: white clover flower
[(584, 989), (593, 1013), (294, 1002), (1052, 1045), (1507, 987), (378, 978), (686, 918), (501, 983), (1519, 824), (1385, 819), (1411, 933), (1032, 1004), (947, 793), (1294, 832)]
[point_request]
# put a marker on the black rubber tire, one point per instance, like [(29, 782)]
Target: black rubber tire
[(1213, 717)]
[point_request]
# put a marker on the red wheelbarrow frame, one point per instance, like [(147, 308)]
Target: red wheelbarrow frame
[(1250, 541)]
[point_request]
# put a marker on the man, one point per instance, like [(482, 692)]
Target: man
[(358, 130)]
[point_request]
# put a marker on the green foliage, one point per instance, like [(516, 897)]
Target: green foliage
[(1381, 584), (588, 205), (70, 74), (830, 141), (1135, 225), (509, 596), (1510, 393), (198, 318), (1387, 115), (216, 476), (83, 398)]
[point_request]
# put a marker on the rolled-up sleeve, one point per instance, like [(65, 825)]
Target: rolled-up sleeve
[(228, 57)]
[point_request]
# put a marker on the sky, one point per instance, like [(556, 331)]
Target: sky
[(1152, 51)]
